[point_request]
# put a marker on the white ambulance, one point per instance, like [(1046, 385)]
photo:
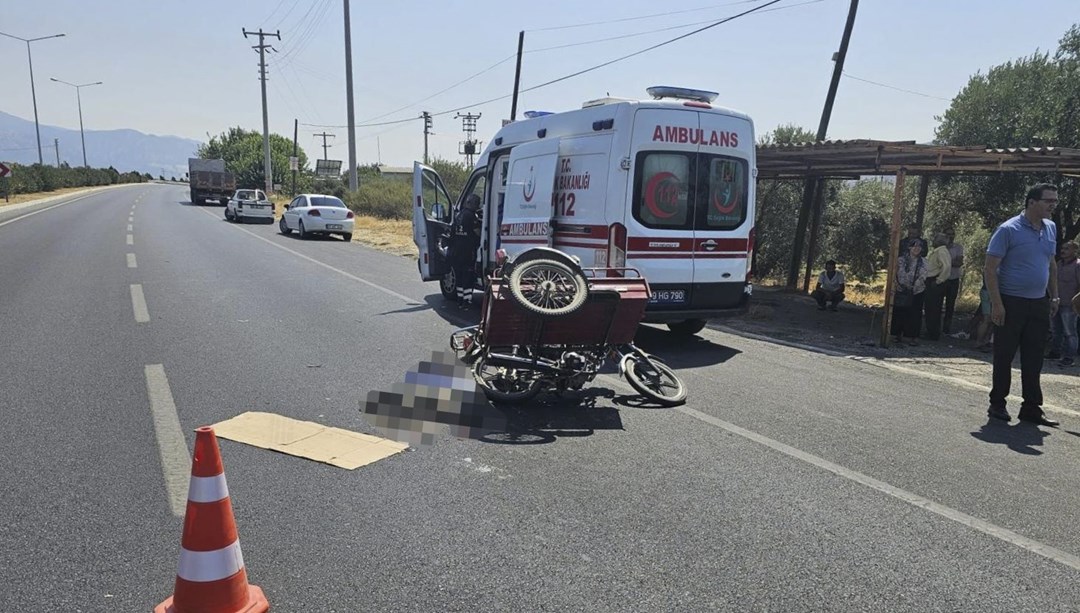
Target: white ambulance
[(664, 185)]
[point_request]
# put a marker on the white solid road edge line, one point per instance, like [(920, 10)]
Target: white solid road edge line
[(131, 261), (175, 458), (138, 304), (883, 364), (1004, 534)]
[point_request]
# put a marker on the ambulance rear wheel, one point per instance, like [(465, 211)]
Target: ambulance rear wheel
[(448, 285), (547, 287), (687, 327)]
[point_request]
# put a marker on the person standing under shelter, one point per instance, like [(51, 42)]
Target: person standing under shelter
[(952, 286), (830, 287), (1021, 276), (914, 235), (908, 296), (464, 241), (938, 269), (1065, 320)]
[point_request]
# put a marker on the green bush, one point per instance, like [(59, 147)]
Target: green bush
[(382, 198), (29, 179)]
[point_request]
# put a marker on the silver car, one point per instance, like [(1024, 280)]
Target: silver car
[(317, 214)]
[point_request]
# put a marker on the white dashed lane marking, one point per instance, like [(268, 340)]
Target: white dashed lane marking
[(138, 304)]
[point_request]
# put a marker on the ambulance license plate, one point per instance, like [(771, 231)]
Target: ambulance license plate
[(668, 296)]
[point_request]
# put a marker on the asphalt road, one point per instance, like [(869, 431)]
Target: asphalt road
[(791, 481)]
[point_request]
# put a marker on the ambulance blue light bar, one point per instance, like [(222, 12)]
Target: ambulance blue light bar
[(682, 93), (535, 114)]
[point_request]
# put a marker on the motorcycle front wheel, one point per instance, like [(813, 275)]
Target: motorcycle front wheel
[(654, 380)]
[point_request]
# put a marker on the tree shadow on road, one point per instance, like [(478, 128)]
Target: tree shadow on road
[(1021, 438)]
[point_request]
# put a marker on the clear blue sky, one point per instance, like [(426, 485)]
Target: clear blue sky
[(185, 69)]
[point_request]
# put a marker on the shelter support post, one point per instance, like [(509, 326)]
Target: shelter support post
[(816, 213), (920, 212), (894, 253)]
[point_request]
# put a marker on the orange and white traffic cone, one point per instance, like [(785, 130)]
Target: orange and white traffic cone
[(211, 578)]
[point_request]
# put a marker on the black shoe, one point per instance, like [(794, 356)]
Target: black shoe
[(821, 307), (1053, 355), (1040, 420), (999, 413), (833, 308)]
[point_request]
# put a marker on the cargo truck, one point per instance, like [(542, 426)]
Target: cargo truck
[(209, 181)]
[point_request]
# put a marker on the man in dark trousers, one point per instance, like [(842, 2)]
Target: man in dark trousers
[(1021, 277), (464, 241)]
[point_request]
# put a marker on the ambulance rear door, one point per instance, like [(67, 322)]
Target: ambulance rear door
[(660, 216), (724, 216)]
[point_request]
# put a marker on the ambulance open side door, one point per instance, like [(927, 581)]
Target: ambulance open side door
[(527, 207), (431, 218)]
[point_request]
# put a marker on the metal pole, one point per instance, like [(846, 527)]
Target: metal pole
[(815, 227), (82, 135), (56, 145), (810, 189), (517, 75), (33, 95), (349, 99), (295, 147)]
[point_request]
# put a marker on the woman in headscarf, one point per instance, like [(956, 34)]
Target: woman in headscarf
[(909, 294)]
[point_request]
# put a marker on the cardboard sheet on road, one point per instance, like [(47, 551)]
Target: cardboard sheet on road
[(306, 439)]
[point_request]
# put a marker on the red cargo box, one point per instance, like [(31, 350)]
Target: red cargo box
[(611, 315)]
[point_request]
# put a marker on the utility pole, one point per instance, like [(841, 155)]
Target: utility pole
[(812, 190), (78, 95), (517, 75), (468, 126), (56, 144), (427, 132), (33, 94), (261, 48), (295, 152), (349, 99), (324, 135)]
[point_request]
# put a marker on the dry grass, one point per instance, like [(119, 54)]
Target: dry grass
[(20, 198), (873, 294), (389, 235)]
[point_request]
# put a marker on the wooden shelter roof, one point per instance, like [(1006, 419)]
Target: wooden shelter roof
[(853, 158)]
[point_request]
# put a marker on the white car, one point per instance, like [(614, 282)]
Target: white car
[(317, 214), (249, 204)]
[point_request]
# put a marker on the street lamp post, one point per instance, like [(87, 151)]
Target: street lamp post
[(78, 95), (33, 94)]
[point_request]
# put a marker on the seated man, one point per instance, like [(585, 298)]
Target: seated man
[(830, 287)]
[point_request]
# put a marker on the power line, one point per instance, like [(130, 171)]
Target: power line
[(271, 15), (899, 89), (647, 49), (563, 78), (610, 21), (307, 35), (657, 30)]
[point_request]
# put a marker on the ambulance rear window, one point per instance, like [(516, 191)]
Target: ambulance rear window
[(686, 191), (663, 190), (727, 191)]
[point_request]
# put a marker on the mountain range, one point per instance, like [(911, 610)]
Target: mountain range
[(124, 150)]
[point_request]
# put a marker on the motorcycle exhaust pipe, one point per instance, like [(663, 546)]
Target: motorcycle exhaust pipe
[(513, 361)]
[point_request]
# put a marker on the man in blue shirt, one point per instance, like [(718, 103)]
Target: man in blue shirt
[(1021, 277)]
